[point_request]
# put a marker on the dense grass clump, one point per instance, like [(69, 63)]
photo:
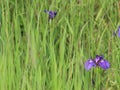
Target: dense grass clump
[(41, 54)]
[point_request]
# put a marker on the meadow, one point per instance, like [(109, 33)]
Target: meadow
[(41, 54)]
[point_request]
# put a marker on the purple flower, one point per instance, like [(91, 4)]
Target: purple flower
[(52, 14), (98, 61), (119, 31)]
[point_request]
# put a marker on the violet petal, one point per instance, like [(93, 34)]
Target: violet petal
[(98, 58), (89, 64), (52, 14), (104, 64)]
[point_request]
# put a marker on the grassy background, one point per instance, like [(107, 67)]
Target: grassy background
[(37, 55)]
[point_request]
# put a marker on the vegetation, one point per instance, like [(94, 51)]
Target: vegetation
[(37, 54)]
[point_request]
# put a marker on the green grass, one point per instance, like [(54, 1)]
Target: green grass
[(39, 55)]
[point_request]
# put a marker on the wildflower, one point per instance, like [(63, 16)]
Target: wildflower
[(98, 61), (52, 14)]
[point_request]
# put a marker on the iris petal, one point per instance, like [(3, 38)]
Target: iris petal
[(89, 64), (52, 14), (98, 58), (104, 64)]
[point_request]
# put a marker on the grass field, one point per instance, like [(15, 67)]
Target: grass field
[(37, 54)]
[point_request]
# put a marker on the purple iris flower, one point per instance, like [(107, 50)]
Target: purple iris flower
[(52, 14), (98, 61), (119, 31)]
